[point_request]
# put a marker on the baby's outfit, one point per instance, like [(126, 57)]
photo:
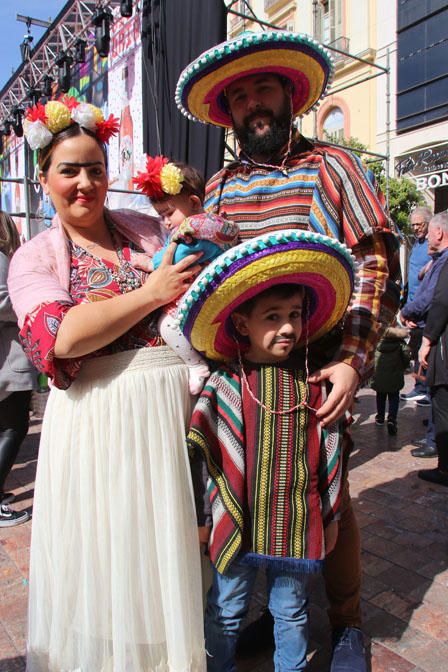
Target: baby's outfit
[(207, 233)]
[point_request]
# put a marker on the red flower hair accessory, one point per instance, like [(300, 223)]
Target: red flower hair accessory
[(70, 101), (160, 179), (36, 113), (107, 128)]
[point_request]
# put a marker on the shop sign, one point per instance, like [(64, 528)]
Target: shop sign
[(426, 161), (432, 181)]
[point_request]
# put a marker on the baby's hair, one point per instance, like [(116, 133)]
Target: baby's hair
[(192, 185), (281, 291)]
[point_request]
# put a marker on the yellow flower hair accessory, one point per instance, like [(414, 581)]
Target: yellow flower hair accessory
[(171, 179), (161, 178), (58, 116)]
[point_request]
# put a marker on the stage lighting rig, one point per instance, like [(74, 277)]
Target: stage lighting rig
[(64, 61), (17, 113), (26, 47), (102, 19), (33, 94), (126, 8), (80, 51), (48, 86), (7, 125)]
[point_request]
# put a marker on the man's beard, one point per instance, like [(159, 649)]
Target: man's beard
[(273, 140)]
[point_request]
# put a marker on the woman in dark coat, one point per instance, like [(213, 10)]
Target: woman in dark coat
[(433, 355)]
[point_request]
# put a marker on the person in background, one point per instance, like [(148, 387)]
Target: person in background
[(418, 260), (114, 569), (17, 378), (392, 358), (416, 311), (433, 356), (256, 85)]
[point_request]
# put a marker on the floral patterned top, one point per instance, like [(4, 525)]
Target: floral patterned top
[(91, 279)]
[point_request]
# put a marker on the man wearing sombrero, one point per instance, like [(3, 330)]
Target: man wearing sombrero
[(257, 84)]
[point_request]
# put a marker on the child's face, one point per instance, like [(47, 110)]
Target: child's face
[(175, 209), (273, 327)]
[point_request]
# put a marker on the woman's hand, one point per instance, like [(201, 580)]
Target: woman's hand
[(170, 281)]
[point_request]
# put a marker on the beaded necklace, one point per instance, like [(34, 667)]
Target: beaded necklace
[(124, 274)]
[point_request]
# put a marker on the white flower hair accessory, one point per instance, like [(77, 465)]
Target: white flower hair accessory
[(44, 121)]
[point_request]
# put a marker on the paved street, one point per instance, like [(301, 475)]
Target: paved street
[(405, 555)]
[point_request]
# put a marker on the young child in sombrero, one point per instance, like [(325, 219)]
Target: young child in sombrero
[(177, 193), (266, 475)]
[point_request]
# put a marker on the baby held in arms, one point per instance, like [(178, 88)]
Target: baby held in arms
[(177, 193)]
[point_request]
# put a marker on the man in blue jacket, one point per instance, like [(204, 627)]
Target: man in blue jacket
[(418, 258), (416, 311)]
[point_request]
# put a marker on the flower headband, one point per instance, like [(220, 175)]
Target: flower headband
[(161, 178), (43, 121)]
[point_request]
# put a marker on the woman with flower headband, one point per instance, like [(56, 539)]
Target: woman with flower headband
[(114, 570)]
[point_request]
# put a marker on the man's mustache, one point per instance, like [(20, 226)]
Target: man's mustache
[(260, 112)]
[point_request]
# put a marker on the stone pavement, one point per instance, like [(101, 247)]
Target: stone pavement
[(405, 555)]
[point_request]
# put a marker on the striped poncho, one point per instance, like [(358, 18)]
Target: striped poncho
[(274, 480)]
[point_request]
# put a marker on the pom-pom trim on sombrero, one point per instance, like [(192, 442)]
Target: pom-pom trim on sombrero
[(200, 91), (322, 264)]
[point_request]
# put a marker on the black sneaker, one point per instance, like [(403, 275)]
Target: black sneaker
[(9, 518), (379, 420), (391, 427)]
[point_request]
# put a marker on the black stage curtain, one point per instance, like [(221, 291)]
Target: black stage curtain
[(174, 32)]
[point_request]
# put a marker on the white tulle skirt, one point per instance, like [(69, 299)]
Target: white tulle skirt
[(115, 583)]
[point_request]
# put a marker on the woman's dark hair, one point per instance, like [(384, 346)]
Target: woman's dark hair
[(192, 185), (282, 291), (9, 236), (44, 154)]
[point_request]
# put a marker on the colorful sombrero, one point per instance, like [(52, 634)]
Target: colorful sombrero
[(322, 264), (200, 91)]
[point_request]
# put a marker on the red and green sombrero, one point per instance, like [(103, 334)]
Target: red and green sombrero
[(322, 264), (200, 91)]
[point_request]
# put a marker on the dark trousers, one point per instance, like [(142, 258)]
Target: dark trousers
[(439, 398), (14, 422), (394, 400), (415, 342)]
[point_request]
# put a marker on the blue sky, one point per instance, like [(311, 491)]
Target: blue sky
[(13, 31)]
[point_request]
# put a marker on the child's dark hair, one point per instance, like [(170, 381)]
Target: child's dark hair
[(193, 183), (281, 291)]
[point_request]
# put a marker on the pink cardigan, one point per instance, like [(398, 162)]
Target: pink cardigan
[(40, 269)]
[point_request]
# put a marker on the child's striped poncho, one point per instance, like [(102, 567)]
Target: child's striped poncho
[(274, 480)]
